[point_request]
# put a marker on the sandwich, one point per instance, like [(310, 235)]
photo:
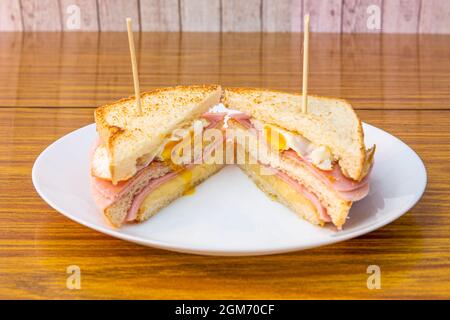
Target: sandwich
[(133, 169), (315, 163)]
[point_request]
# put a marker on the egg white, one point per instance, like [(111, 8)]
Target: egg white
[(319, 156)]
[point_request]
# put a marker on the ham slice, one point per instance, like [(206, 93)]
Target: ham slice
[(155, 183), (306, 193), (215, 117), (349, 189), (357, 194), (240, 116), (244, 122), (105, 193)]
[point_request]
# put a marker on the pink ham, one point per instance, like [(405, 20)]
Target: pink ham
[(349, 189), (105, 193), (155, 183), (307, 194), (214, 118), (341, 182), (245, 123), (243, 119), (240, 116), (357, 194)]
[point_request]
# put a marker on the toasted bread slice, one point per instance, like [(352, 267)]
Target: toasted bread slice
[(280, 191), (328, 122), (130, 138), (256, 154)]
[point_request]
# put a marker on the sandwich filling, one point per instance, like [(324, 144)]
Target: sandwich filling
[(296, 151), (317, 159), (155, 173), (101, 161)]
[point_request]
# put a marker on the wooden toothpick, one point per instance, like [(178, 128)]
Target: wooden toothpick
[(137, 93), (305, 64)]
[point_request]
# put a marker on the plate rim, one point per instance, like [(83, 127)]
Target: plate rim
[(223, 252)]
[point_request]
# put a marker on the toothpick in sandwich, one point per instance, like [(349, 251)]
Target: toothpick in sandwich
[(305, 64), (137, 93)]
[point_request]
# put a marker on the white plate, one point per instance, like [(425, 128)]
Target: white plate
[(228, 214)]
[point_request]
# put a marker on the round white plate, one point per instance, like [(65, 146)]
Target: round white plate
[(228, 214)]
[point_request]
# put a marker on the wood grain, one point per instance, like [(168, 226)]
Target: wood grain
[(434, 17), (325, 15), (78, 48), (53, 80), (88, 15), (160, 15), (10, 62), (398, 57), (200, 15), (10, 15), (112, 14), (41, 15), (355, 16), (355, 82), (373, 71), (401, 16), (37, 244), (350, 16), (244, 16)]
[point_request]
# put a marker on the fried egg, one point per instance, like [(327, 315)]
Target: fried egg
[(281, 140)]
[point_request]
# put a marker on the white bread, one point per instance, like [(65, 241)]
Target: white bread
[(116, 212), (282, 192), (328, 122), (337, 207), (130, 138), (173, 189)]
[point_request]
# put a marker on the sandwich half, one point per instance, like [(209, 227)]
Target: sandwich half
[(133, 171), (315, 163)]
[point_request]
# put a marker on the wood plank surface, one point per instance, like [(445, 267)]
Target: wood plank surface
[(41, 15), (37, 244), (84, 10), (53, 81), (10, 62), (414, 75), (348, 16), (434, 16), (160, 15), (282, 15), (243, 16), (200, 15), (112, 14), (356, 13), (326, 15), (10, 16), (401, 16)]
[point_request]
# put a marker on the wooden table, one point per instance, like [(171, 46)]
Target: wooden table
[(50, 83)]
